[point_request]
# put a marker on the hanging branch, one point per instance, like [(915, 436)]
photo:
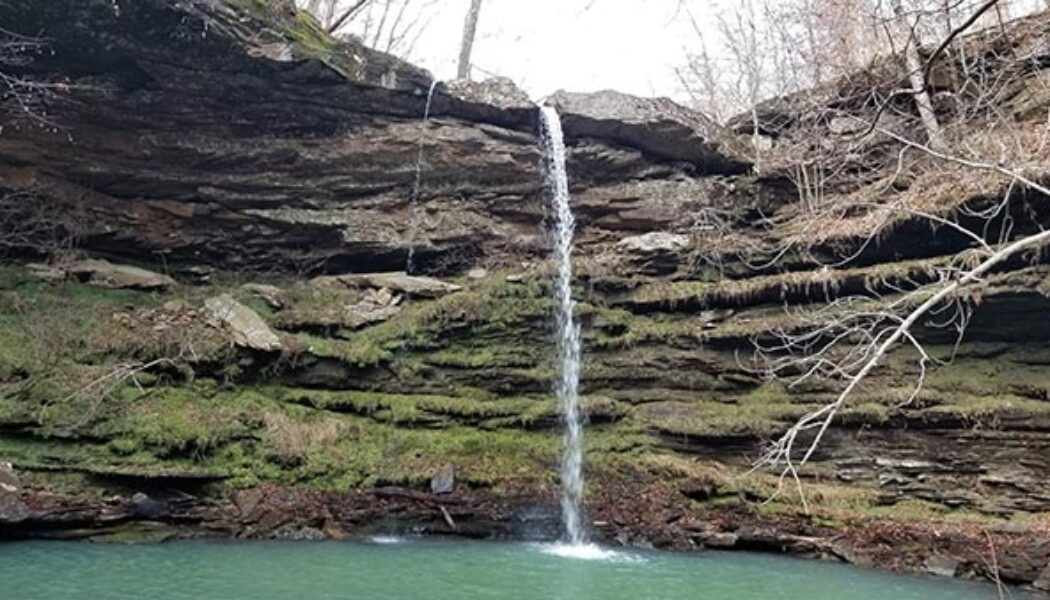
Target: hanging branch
[(848, 341), (347, 15)]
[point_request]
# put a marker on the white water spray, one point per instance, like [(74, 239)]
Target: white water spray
[(413, 200), (568, 334)]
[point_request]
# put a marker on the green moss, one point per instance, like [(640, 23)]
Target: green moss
[(483, 357), (308, 38), (760, 412), (53, 329), (311, 306), (815, 284), (63, 457), (42, 324), (491, 313), (399, 408), (975, 407), (492, 334), (188, 422), (314, 41)]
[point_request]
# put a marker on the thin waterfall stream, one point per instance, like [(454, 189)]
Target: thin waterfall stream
[(413, 200), (568, 330)]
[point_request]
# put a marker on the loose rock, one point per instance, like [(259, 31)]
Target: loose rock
[(657, 126), (942, 565), (377, 306), (654, 242), (106, 274), (246, 328), (12, 508), (445, 481), (269, 293), (1043, 581), (423, 287)]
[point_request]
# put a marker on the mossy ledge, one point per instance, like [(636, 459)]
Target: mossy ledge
[(461, 382)]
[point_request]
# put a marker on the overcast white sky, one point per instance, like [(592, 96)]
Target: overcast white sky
[(581, 45)]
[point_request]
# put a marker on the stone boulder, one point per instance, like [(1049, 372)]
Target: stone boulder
[(497, 100), (1042, 582), (656, 252), (377, 306), (411, 285), (657, 126), (724, 539), (444, 482), (106, 274), (270, 294), (143, 507), (9, 482), (12, 508), (655, 242), (499, 92), (1025, 562), (942, 566), (1033, 99), (46, 272), (246, 328)]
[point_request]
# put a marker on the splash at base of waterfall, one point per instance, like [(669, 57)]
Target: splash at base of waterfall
[(588, 552)]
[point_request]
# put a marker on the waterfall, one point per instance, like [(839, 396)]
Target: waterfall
[(568, 330), (413, 200)]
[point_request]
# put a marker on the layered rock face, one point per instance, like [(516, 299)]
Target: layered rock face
[(269, 170), (200, 135)]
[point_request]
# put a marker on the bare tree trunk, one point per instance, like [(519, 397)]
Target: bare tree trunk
[(470, 28), (917, 80), (382, 24)]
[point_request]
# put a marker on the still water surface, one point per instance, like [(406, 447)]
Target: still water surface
[(439, 570)]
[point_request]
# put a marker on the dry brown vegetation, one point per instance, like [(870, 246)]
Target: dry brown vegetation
[(293, 439)]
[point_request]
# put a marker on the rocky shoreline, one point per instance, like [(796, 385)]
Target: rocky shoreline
[(631, 512)]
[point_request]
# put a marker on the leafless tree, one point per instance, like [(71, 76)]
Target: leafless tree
[(24, 98), (913, 64), (333, 22), (392, 26), (985, 150), (848, 339), (29, 223), (808, 43), (470, 30)]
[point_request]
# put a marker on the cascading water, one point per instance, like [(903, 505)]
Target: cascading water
[(568, 334), (413, 200)]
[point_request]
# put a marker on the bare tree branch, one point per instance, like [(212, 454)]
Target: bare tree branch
[(347, 15)]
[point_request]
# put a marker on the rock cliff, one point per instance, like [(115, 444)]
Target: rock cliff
[(289, 379)]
